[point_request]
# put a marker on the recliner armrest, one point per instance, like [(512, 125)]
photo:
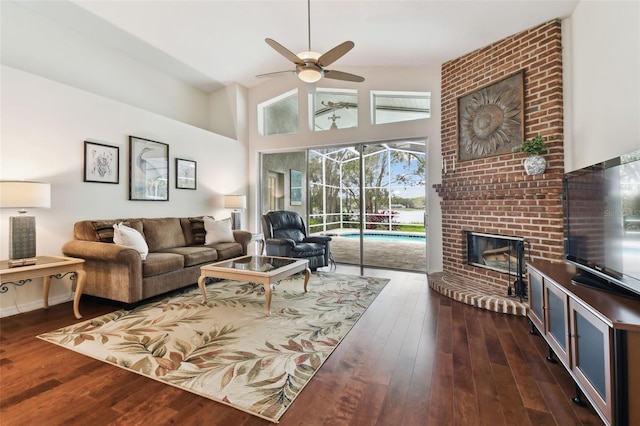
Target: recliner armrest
[(280, 247), (321, 239), (280, 242)]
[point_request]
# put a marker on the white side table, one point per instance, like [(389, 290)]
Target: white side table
[(259, 237)]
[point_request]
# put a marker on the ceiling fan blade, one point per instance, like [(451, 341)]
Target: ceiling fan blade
[(339, 75), (336, 53), (284, 51), (275, 74)]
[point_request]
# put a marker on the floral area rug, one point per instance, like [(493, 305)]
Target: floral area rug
[(229, 350)]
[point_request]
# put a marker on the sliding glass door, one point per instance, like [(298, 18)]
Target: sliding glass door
[(369, 197)]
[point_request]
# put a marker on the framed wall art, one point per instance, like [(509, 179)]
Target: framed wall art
[(295, 192), (149, 170), (491, 119), (101, 163), (186, 173)]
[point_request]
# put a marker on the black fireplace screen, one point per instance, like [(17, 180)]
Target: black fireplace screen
[(496, 252)]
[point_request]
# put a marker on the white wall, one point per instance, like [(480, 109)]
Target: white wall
[(602, 81), (228, 112), (34, 41), (44, 126), (397, 78)]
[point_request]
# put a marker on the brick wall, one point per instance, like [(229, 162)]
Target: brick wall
[(494, 194)]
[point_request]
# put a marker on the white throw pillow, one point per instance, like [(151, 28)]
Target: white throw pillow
[(125, 236), (218, 231)]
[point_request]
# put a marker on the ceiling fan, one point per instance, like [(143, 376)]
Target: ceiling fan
[(310, 66)]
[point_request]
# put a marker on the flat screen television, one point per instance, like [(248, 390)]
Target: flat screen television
[(602, 224)]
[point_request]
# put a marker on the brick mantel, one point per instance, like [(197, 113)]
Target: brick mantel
[(512, 186), (494, 194)]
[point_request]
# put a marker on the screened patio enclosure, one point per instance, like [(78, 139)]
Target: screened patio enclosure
[(369, 197)]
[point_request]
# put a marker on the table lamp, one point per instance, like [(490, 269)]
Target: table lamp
[(23, 195), (235, 202)]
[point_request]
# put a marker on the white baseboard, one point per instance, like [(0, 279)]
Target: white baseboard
[(34, 305)]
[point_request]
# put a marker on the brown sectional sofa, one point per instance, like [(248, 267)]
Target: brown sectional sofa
[(176, 252)]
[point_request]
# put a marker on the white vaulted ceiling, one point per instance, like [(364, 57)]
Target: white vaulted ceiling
[(210, 44)]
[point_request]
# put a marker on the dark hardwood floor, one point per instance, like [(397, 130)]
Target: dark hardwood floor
[(414, 358)]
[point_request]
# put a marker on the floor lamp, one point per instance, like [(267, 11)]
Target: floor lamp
[(22, 195), (236, 202)]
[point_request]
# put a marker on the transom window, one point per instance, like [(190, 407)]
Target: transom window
[(279, 115), (334, 109), (390, 107)]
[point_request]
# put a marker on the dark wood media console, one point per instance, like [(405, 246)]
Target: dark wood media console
[(594, 334)]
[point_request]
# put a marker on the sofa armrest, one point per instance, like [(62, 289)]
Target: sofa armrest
[(93, 250), (243, 238)]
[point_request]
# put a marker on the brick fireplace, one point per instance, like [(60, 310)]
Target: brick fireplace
[(493, 195)]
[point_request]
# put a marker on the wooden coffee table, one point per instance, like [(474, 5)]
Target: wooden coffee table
[(265, 270)]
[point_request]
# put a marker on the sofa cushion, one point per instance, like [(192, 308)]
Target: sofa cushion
[(194, 255), (218, 231), (228, 250), (104, 228), (163, 233), (129, 237), (194, 232), (161, 263), (104, 231)]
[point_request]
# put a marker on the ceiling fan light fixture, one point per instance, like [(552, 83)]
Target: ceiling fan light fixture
[(309, 56), (309, 74)]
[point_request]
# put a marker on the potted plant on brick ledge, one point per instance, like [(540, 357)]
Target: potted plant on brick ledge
[(534, 164)]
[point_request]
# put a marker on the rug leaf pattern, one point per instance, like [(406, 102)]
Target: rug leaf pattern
[(229, 350)]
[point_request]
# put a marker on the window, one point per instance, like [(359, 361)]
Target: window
[(334, 109), (390, 107), (275, 191), (279, 115)]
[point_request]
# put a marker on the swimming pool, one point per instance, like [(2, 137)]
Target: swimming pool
[(384, 237)]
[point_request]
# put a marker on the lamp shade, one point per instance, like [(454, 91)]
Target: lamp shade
[(24, 194), (235, 201)]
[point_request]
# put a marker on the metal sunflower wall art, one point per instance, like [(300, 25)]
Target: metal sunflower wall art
[(490, 120)]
